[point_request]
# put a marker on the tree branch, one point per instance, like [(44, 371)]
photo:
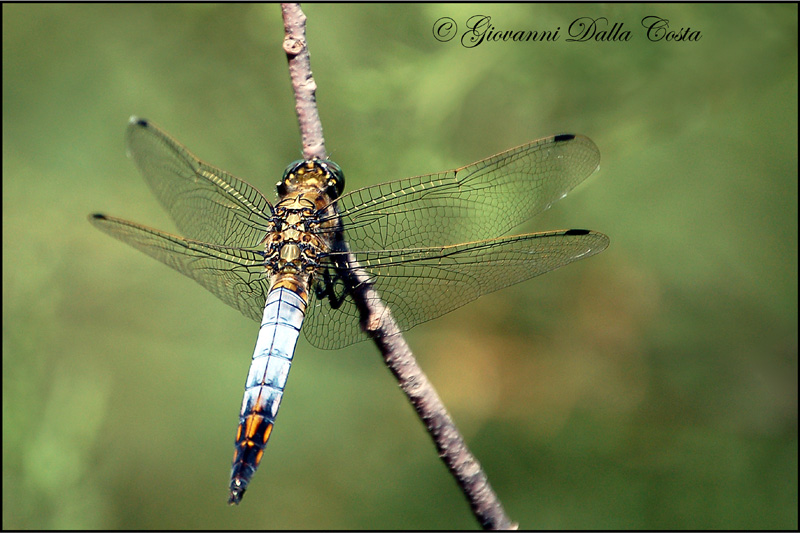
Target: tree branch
[(376, 318), (294, 44)]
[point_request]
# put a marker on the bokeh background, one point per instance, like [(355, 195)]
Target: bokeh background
[(653, 386)]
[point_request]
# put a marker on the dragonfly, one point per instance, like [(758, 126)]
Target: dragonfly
[(427, 245)]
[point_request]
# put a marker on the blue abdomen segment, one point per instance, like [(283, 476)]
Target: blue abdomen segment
[(272, 358)]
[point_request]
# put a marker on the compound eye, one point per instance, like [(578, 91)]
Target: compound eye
[(293, 167), (336, 180)]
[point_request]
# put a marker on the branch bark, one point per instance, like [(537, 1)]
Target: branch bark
[(376, 318), (294, 44)]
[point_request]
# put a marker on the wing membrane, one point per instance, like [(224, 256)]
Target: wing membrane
[(234, 275), (479, 201), (206, 203), (425, 283)]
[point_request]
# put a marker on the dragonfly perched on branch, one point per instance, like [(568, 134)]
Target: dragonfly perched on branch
[(427, 244)]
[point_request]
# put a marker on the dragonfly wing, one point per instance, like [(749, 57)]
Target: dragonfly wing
[(206, 203), (330, 327), (234, 275), (424, 283), (478, 201)]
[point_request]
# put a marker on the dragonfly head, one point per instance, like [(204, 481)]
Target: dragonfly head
[(305, 173)]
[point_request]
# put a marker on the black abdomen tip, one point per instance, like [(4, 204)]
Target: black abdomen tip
[(236, 496)]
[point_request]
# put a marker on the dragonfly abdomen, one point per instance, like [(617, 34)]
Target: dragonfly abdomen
[(272, 359)]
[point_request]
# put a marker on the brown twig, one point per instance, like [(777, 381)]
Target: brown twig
[(377, 320), (294, 44)]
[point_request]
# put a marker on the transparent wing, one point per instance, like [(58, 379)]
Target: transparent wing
[(206, 203), (389, 227), (424, 283), (479, 201), (234, 275)]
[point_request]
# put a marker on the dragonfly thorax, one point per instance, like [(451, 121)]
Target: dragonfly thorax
[(296, 242)]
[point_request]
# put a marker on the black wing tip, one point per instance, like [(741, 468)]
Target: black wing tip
[(98, 216), (562, 137), (599, 240), (143, 122)]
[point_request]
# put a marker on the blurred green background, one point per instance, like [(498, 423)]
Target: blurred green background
[(653, 386)]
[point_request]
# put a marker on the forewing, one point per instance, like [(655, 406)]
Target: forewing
[(425, 283), (234, 275), (479, 201), (206, 203)]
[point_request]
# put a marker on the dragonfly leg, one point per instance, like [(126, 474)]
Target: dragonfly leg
[(325, 289)]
